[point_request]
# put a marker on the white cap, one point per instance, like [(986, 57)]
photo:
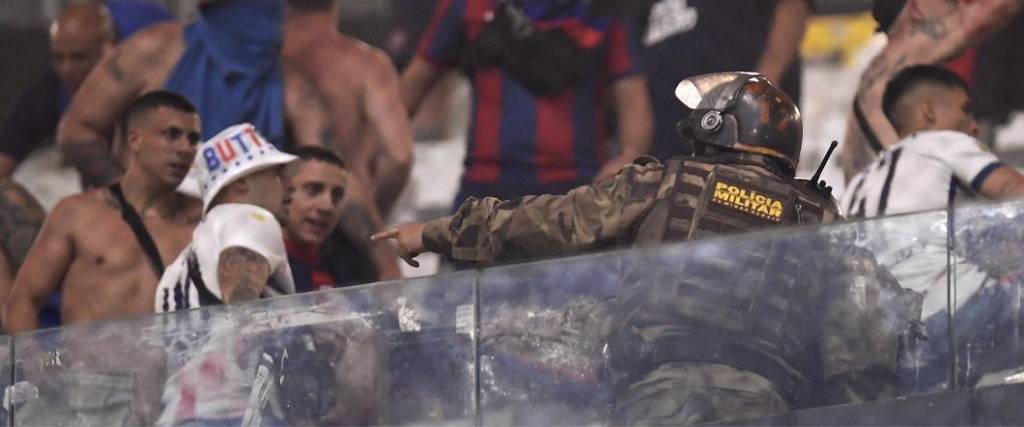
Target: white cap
[(233, 153)]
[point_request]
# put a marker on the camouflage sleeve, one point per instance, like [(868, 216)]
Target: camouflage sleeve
[(870, 323), (593, 216)]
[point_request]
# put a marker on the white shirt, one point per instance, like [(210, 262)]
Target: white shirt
[(225, 226), (917, 174)]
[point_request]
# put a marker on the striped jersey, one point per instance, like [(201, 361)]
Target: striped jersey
[(224, 226), (925, 171), (519, 138)]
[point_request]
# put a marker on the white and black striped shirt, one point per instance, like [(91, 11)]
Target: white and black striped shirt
[(921, 172)]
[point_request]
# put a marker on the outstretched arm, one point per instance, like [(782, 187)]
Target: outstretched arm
[(490, 230)]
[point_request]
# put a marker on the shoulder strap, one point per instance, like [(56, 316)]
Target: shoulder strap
[(206, 298), (141, 234), (865, 127)]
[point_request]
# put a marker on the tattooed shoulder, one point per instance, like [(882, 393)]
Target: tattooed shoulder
[(21, 217), (114, 67)]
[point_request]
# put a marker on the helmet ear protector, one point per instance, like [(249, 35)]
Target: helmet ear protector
[(708, 126), (740, 111)]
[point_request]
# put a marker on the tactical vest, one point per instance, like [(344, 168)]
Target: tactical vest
[(753, 309), (701, 198)]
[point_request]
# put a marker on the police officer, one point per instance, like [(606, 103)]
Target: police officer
[(692, 358)]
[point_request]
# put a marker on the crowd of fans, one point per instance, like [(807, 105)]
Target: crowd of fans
[(133, 94), (253, 152)]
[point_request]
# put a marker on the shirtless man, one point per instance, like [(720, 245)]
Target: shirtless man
[(348, 94), (343, 95), (88, 251), (924, 32)]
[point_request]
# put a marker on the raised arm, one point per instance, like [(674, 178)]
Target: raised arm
[(490, 230), (921, 34), (783, 46), (242, 274), (43, 270), (87, 128)]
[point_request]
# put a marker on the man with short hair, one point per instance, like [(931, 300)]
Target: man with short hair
[(237, 252), (920, 32), (937, 158), (105, 250), (936, 164), (320, 257), (88, 248)]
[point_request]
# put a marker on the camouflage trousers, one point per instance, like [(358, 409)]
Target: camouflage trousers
[(684, 393)]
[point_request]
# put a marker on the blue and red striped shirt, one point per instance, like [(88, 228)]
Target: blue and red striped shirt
[(515, 136)]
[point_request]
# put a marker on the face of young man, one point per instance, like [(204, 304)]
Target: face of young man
[(313, 209), (953, 111), (164, 142)]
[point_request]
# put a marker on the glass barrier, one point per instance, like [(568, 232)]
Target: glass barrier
[(913, 248), (541, 339), (6, 379), (988, 272), (745, 325), (727, 328), (391, 353)]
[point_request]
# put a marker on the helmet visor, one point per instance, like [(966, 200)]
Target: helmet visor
[(715, 91)]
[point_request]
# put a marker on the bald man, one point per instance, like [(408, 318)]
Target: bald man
[(82, 35), (920, 32)]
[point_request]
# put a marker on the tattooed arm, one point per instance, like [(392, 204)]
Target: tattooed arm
[(20, 220), (924, 33), (21, 217), (44, 267), (86, 131), (242, 274)]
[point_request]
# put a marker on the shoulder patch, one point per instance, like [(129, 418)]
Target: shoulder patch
[(750, 199)]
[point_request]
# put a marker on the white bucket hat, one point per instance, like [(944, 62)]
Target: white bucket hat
[(231, 154)]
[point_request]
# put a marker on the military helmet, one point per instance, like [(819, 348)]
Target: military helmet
[(744, 112)]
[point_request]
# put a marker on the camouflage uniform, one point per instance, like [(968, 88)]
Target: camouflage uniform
[(727, 338)]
